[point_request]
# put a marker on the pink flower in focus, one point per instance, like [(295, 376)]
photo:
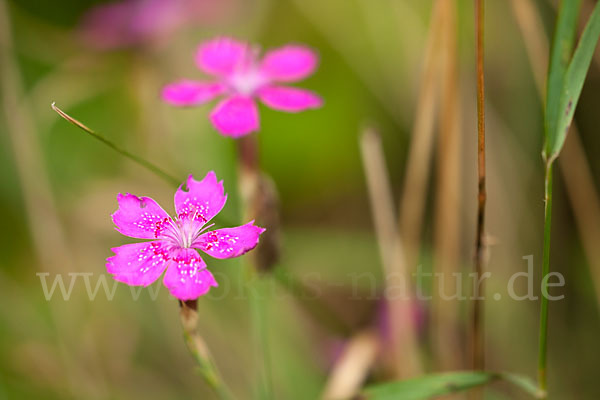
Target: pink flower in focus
[(174, 240), (241, 78)]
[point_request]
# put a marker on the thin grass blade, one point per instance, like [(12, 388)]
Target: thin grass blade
[(573, 82), (560, 55), (430, 386)]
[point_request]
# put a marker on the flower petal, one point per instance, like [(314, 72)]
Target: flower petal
[(221, 56), (187, 277), (139, 217), (190, 93), (289, 98), (203, 199), (138, 264), (289, 63), (229, 242), (235, 116)]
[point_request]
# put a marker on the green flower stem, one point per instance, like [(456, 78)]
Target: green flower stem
[(199, 350), (188, 313), (249, 169), (543, 334)]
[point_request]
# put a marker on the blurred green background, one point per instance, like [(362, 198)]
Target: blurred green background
[(59, 188)]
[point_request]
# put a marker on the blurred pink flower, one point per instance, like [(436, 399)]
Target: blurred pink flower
[(133, 22), (241, 77), (175, 239)]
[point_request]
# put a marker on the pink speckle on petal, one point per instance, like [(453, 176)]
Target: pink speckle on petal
[(139, 217), (138, 264), (289, 63), (187, 277), (229, 242), (235, 116), (289, 98), (201, 200)]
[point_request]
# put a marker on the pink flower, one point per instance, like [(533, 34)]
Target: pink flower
[(241, 77), (174, 240), (135, 22)]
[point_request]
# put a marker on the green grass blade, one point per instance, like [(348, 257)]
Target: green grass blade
[(574, 79), (560, 54), (524, 383), (429, 386)]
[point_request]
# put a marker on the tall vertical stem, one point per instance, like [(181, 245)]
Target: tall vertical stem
[(543, 344), (249, 181), (478, 353), (418, 165), (445, 329), (404, 349)]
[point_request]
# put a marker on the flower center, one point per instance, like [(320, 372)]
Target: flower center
[(185, 229), (247, 81), (187, 232)]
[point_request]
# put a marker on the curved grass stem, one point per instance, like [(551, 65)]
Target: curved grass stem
[(138, 160)]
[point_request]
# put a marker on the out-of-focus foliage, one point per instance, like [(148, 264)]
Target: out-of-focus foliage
[(371, 54)]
